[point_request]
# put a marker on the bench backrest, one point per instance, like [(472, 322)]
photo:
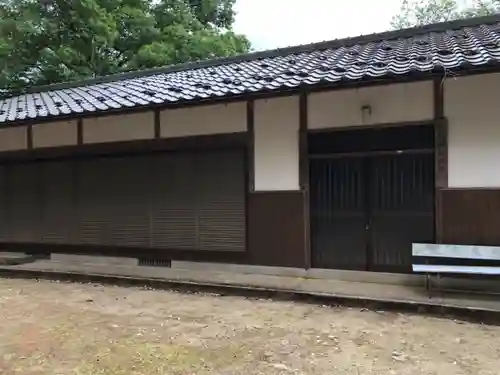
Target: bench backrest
[(456, 251)]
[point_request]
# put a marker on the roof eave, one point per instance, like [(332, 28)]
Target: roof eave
[(324, 86)]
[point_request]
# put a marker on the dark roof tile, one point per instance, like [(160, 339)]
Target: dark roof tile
[(472, 42)]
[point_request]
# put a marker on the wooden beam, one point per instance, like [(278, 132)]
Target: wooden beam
[(231, 141), (157, 124), (251, 144), (79, 132), (441, 153), (303, 157), (29, 137), (438, 92), (304, 174)]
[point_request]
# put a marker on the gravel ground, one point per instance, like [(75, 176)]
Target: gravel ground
[(54, 328)]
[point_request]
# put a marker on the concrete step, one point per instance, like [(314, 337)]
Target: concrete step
[(9, 258), (93, 259), (374, 294)]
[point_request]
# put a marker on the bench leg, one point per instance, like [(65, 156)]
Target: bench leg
[(428, 284)]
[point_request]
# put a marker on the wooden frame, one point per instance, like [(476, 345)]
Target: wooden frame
[(193, 143), (29, 137), (441, 153), (430, 121), (370, 153), (412, 151), (304, 174), (79, 132), (157, 124), (250, 112)]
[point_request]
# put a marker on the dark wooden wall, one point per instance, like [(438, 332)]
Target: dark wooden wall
[(276, 229), (276, 236), (470, 216)]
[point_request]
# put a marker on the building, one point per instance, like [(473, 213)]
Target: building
[(332, 155)]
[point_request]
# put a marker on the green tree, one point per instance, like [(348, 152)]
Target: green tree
[(423, 12), (51, 41)]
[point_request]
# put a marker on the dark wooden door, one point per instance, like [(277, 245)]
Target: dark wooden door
[(338, 213), (369, 200), (401, 208)]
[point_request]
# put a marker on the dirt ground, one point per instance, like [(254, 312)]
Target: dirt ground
[(51, 328)]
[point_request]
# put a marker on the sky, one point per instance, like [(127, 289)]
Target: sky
[(281, 23)]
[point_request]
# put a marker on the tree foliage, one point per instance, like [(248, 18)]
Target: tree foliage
[(50, 41), (423, 12)]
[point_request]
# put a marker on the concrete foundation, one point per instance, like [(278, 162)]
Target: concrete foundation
[(11, 258), (89, 259), (313, 273), (324, 287)]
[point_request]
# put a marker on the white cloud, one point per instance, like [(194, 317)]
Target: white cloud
[(281, 23)]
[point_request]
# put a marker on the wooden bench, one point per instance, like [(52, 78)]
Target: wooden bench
[(431, 259)]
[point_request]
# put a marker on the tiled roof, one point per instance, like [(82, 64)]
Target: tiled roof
[(459, 44)]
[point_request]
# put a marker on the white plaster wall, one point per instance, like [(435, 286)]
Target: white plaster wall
[(276, 142), (51, 134), (205, 119), (472, 106), (117, 128), (402, 102), (15, 138)]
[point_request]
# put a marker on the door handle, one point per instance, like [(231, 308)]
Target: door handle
[(368, 224)]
